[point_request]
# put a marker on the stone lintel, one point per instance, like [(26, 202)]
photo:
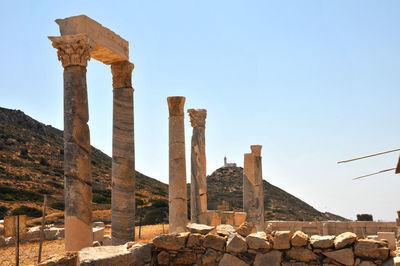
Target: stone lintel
[(256, 150), (108, 46), (176, 105)]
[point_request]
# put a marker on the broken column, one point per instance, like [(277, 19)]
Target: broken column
[(123, 156), (198, 183), (74, 52), (249, 188), (177, 166), (259, 191)]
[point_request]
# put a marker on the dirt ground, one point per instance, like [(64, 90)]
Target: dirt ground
[(29, 251)]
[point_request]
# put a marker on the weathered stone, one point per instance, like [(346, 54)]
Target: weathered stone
[(213, 218), (199, 228), (301, 254), (98, 234), (195, 240), (98, 224), (141, 255), (214, 241), (388, 262), (225, 229), (282, 239), (102, 256), (170, 241), (177, 166), (390, 237), (239, 218), (367, 263), (272, 258), (96, 244), (229, 260), (344, 240), (249, 189), (344, 256), (371, 249), (245, 229), (2, 241), (69, 259), (258, 183), (258, 241), (163, 258), (186, 258), (107, 240), (321, 241), (210, 256), (236, 243), (299, 239)]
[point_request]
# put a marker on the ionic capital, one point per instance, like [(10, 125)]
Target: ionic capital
[(122, 74), (197, 117), (256, 150), (73, 50), (176, 105)]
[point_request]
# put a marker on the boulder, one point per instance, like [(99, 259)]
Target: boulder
[(185, 258), (301, 254), (272, 258), (199, 228), (170, 241), (299, 239), (245, 229), (230, 260), (371, 249), (321, 241), (282, 239), (258, 241), (214, 241), (236, 243), (195, 240), (99, 256), (163, 258), (343, 256), (209, 257), (344, 240), (141, 255), (225, 229)]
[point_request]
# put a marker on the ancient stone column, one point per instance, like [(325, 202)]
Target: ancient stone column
[(198, 183), (259, 191), (249, 188), (74, 51), (123, 156), (177, 166)]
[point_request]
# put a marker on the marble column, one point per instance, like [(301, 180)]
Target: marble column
[(123, 156), (259, 191), (249, 188), (74, 52), (198, 183), (177, 166)]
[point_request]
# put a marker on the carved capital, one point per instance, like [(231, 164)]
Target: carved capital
[(256, 150), (122, 74), (176, 105), (197, 117), (73, 50)]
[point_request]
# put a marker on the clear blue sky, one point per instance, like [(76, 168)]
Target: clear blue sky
[(314, 82)]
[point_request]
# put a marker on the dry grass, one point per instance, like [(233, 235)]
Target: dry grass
[(29, 251)]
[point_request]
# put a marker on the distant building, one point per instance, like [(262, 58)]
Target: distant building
[(228, 164)]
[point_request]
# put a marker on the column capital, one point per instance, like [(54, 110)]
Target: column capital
[(122, 74), (197, 117), (176, 105), (256, 150), (73, 50)]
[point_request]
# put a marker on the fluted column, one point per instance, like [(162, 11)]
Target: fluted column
[(123, 160), (259, 191), (198, 183), (249, 188), (74, 51), (177, 166)]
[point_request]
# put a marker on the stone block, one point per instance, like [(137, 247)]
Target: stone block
[(390, 237), (301, 254), (322, 241), (371, 249), (258, 241), (215, 242), (98, 234), (227, 217), (107, 240), (104, 256), (229, 260), (282, 239), (344, 239), (141, 255), (225, 229), (98, 224), (343, 256), (213, 218), (239, 218), (272, 258), (171, 241), (299, 239), (199, 228), (236, 243)]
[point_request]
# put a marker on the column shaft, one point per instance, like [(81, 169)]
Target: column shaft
[(249, 190), (259, 191)]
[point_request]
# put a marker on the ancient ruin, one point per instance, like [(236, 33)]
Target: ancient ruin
[(259, 191)]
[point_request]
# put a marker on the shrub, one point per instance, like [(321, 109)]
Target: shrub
[(59, 205), (154, 216), (159, 203), (3, 212), (44, 162), (102, 196), (54, 184), (11, 194), (45, 191), (29, 211)]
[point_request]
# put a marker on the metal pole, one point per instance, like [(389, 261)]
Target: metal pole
[(17, 244), (380, 172), (42, 228), (367, 156)]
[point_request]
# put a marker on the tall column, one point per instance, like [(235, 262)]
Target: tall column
[(198, 183), (249, 188), (74, 51), (259, 191), (123, 156), (177, 166)]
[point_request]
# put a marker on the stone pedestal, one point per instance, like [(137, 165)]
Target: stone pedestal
[(249, 188), (259, 191), (123, 156), (74, 51), (177, 166), (198, 184)]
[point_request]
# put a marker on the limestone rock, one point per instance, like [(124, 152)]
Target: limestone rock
[(195, 240), (69, 259), (199, 228), (210, 256), (98, 234), (301, 254), (171, 241), (344, 239), (299, 239), (344, 256), (163, 258), (236, 243), (225, 229), (371, 249), (258, 241), (322, 241), (185, 258), (229, 260), (214, 241), (282, 239), (141, 255), (245, 229), (367, 263), (111, 255), (272, 258)]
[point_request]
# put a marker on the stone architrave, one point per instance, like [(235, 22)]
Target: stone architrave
[(74, 52), (259, 191), (249, 188), (198, 184), (177, 166), (123, 156)]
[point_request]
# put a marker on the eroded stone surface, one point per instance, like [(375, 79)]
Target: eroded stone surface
[(245, 229), (199, 228), (229, 260), (301, 254), (322, 241), (111, 255), (195, 240), (282, 239), (344, 256), (344, 239), (170, 241), (225, 229), (214, 241), (272, 258), (236, 243), (258, 241), (372, 249), (299, 239)]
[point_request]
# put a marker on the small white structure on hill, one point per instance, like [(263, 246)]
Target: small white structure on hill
[(228, 164)]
